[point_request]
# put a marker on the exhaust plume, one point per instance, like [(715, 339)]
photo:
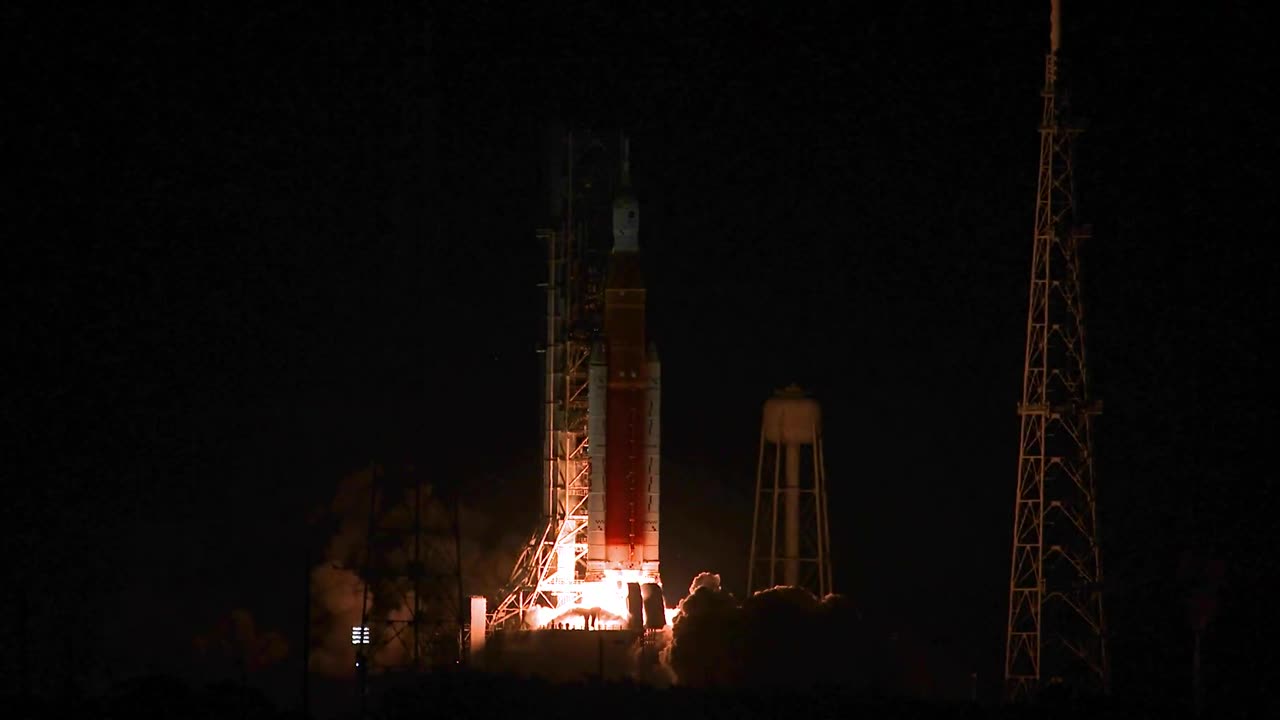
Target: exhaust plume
[(781, 638), (705, 636)]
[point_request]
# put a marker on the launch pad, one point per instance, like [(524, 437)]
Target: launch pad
[(562, 655)]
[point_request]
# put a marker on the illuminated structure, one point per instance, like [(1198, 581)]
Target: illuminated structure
[(625, 382), (791, 454), (597, 545), (1055, 633)]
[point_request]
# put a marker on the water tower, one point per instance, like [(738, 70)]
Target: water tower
[(790, 542)]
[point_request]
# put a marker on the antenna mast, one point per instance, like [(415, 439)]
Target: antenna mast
[(1055, 634)]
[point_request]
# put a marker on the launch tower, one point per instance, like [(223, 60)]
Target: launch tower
[(1055, 633), (599, 503)]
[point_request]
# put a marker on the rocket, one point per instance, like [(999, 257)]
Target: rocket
[(624, 382)]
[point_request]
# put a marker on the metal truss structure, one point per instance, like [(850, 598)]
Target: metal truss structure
[(552, 564), (1056, 632), (412, 602)]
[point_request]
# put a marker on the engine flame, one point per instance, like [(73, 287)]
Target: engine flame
[(604, 601)]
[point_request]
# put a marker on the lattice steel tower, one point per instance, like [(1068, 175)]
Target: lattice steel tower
[(1056, 633), (412, 590)]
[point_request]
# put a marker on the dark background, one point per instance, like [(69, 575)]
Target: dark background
[(257, 247)]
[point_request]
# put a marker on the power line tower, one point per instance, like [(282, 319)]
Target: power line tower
[(791, 454), (412, 601), (1055, 634)]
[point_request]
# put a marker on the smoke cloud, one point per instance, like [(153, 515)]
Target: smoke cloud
[(236, 638), (706, 636), (336, 597), (781, 638), (704, 579)]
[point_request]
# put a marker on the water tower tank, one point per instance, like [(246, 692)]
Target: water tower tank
[(791, 418)]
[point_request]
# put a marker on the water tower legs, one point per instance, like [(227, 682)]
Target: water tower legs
[(791, 515)]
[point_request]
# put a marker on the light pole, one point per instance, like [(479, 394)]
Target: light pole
[(360, 639)]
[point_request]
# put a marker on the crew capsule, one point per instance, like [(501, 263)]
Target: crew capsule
[(626, 222)]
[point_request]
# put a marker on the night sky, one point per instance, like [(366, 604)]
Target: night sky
[(257, 248)]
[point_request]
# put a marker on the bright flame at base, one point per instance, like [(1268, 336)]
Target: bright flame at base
[(605, 600)]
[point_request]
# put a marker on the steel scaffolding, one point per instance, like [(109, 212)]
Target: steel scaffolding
[(552, 563), (412, 597), (1055, 633)]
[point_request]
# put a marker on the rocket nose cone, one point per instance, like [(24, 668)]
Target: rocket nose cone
[(626, 222)]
